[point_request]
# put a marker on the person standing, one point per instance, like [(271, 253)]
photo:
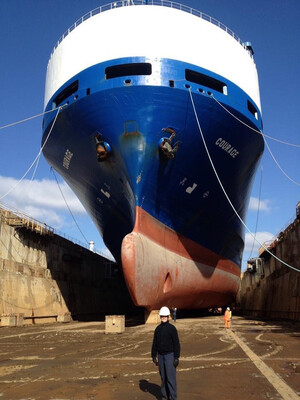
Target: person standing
[(166, 347), (227, 317), (174, 309)]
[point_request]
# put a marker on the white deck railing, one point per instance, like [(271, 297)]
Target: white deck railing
[(164, 3)]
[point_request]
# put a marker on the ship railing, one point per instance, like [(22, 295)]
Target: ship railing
[(164, 3)]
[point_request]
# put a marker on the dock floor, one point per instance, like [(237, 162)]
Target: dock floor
[(78, 361)]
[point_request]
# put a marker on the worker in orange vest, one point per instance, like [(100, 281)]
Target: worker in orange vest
[(227, 317)]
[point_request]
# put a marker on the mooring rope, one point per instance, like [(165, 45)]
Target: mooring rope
[(253, 129), (29, 118), (39, 153), (258, 206), (276, 162), (264, 137), (68, 206), (225, 193)]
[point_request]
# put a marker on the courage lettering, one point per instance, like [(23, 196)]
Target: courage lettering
[(227, 147)]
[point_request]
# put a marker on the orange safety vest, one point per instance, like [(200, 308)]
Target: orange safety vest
[(227, 315)]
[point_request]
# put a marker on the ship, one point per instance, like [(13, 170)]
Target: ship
[(153, 118)]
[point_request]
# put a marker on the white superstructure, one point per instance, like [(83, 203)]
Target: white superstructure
[(153, 32)]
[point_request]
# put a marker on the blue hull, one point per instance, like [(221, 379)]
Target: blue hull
[(182, 193)]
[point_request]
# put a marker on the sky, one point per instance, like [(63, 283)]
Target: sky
[(29, 30)]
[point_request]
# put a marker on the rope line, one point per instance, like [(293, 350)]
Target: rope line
[(276, 162), (39, 153), (224, 191), (68, 206), (178, 80), (29, 118), (35, 168), (264, 137), (259, 197), (253, 129)]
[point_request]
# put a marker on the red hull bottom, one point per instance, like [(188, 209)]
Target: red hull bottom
[(164, 268)]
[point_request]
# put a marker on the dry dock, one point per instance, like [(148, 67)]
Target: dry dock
[(45, 278), (78, 361)]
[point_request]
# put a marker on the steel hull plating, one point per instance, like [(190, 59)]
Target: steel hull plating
[(197, 276), (156, 198), (166, 220)]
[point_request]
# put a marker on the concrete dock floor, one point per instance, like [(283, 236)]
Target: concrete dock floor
[(78, 361)]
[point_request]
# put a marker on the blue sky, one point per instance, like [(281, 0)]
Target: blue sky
[(29, 30)]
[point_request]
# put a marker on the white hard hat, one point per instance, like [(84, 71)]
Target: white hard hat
[(228, 308), (164, 312)]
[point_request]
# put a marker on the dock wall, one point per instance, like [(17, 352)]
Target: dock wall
[(46, 278), (273, 290)]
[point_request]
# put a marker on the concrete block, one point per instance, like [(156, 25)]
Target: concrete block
[(8, 320), (64, 317), (152, 317), (20, 319), (114, 323)]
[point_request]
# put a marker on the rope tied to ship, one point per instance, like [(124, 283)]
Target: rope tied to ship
[(253, 129), (72, 215), (224, 191), (29, 118), (265, 141), (36, 158)]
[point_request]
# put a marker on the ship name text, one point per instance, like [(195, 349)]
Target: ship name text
[(233, 152), (67, 159)]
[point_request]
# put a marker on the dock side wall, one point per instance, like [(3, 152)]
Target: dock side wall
[(45, 277), (274, 292)]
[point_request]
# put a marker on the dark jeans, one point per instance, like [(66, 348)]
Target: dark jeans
[(168, 376), (174, 316)]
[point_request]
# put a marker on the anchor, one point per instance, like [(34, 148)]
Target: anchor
[(103, 148), (165, 144)]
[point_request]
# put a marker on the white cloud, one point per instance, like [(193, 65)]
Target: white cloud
[(41, 200), (260, 236), (264, 205)]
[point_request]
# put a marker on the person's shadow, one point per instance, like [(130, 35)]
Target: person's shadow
[(152, 388)]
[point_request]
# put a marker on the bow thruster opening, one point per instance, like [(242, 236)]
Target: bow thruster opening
[(168, 283)]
